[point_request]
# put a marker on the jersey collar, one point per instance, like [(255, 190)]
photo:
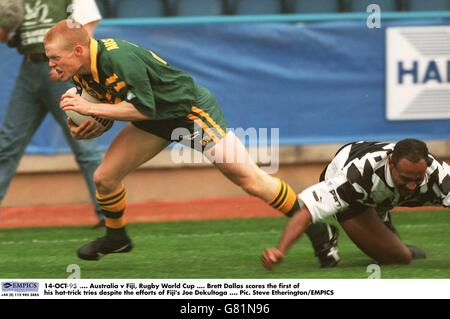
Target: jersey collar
[(388, 175), (94, 51)]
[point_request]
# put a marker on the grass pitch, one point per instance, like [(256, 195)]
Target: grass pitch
[(215, 249)]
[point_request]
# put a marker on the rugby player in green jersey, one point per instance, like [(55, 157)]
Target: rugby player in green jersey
[(157, 99)]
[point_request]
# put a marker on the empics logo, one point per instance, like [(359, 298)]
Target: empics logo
[(418, 73), (28, 286)]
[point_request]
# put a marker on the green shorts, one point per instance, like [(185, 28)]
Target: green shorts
[(202, 128)]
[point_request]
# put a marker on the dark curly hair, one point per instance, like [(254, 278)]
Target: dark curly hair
[(411, 149)]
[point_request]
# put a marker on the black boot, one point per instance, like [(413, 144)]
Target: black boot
[(324, 239)]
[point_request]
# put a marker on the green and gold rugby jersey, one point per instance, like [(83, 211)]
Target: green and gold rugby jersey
[(122, 71)]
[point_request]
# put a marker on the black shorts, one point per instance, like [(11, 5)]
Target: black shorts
[(202, 128)]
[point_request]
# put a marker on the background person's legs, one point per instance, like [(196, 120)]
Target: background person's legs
[(376, 240), (22, 118), (87, 153)]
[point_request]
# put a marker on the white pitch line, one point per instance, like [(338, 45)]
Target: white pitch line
[(423, 226), (272, 231), (39, 241)]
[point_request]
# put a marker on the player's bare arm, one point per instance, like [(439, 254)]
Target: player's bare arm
[(123, 111), (296, 226)]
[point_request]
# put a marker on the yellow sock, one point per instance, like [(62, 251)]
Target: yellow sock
[(113, 206), (285, 199)]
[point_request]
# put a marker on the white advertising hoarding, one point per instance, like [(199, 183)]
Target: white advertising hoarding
[(418, 73)]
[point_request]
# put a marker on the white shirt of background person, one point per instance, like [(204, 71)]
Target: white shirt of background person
[(86, 13)]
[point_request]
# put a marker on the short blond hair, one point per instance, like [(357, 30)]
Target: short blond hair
[(68, 33)]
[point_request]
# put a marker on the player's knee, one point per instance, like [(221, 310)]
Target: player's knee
[(403, 257), (103, 184)]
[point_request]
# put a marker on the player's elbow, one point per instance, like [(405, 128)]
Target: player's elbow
[(141, 117), (131, 112)]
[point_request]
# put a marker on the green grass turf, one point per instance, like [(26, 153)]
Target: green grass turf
[(215, 249)]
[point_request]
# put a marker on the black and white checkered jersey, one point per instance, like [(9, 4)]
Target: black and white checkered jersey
[(359, 175)]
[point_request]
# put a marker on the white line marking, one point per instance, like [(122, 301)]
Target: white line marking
[(259, 233)]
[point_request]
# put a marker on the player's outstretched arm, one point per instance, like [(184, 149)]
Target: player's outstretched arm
[(296, 226), (123, 111)]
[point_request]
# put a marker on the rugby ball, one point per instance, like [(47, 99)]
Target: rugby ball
[(78, 118)]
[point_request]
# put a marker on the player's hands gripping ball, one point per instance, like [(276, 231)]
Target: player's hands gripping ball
[(77, 108)]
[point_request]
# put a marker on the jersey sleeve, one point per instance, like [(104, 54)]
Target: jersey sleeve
[(440, 182), (126, 74)]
